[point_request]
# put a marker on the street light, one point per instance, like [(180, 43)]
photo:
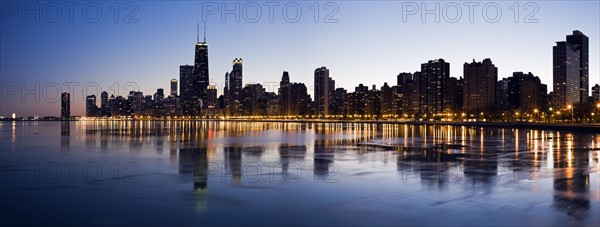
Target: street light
[(536, 114), (570, 107), (598, 106)]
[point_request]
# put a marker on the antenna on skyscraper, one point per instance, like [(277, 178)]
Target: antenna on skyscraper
[(198, 31), (205, 31)]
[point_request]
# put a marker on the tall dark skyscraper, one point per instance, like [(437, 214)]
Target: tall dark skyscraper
[(201, 68), (403, 93), (453, 95), (138, 102), (403, 78), (338, 102), (284, 94), (534, 94), (323, 89), (514, 90), (596, 93), (186, 88), (526, 92), (65, 106), (211, 96), (581, 43), (293, 97), (386, 101), (251, 99), (502, 94), (566, 74), (285, 79), (173, 87), (235, 81), (103, 99), (104, 104), (159, 98), (90, 106), (226, 89), (479, 86), (431, 85)]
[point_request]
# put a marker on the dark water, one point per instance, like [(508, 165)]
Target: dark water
[(241, 173)]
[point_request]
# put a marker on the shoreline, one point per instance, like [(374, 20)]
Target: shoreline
[(583, 127), (590, 127)]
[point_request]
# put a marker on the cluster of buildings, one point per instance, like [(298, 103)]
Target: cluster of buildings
[(430, 93)]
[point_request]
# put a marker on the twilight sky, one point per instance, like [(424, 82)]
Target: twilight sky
[(370, 43)]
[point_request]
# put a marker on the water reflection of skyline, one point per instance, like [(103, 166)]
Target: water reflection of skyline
[(436, 155), (571, 183)]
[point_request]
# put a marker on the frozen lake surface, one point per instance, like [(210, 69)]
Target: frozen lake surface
[(157, 173)]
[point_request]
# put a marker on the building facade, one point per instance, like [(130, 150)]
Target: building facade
[(201, 77), (431, 86), (90, 106), (65, 106), (186, 89), (235, 81), (323, 89), (581, 43), (596, 93), (479, 85), (566, 75), (173, 87)]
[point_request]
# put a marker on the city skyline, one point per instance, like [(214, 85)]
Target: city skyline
[(434, 88), (257, 72), (308, 113), (428, 94)]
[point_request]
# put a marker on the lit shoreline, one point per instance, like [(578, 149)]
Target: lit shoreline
[(578, 127)]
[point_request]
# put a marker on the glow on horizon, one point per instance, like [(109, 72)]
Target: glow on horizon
[(368, 41)]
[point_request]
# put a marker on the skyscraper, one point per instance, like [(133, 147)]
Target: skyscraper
[(211, 96), (514, 90), (479, 85), (235, 81), (596, 93), (453, 95), (322, 90), (159, 98), (581, 43), (90, 106), (186, 87), (566, 74), (431, 85), (65, 106), (251, 99), (534, 94), (403, 92), (225, 103), (138, 102), (285, 94), (526, 92), (403, 78), (104, 104), (339, 102), (412, 95), (201, 67), (502, 94), (285, 79), (293, 97), (386, 101), (173, 87), (372, 103)]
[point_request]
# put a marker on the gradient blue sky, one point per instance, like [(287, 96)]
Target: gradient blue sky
[(369, 44)]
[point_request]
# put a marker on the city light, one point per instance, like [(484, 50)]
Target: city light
[(341, 113)]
